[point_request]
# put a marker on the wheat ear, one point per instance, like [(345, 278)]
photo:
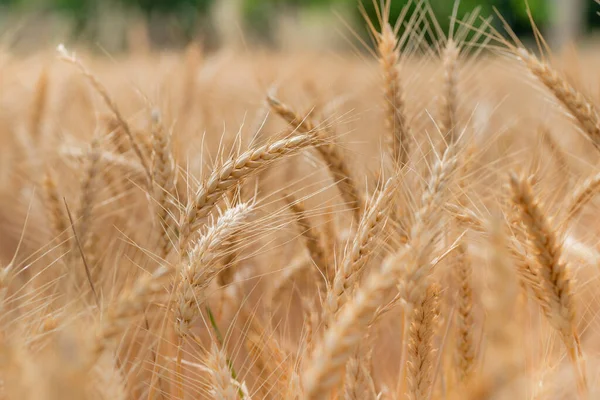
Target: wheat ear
[(39, 105), (232, 171), (582, 110), (554, 271), (101, 89), (395, 118), (359, 249), (422, 234), (581, 196), (449, 97), (421, 352), (164, 174), (268, 357), (223, 386), (313, 239), (89, 193), (465, 351), (199, 271), (55, 209), (358, 384), (330, 153), (324, 369)]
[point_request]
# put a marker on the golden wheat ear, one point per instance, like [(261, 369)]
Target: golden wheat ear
[(554, 272)]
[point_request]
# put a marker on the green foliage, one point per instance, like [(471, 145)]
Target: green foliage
[(169, 6), (514, 11)]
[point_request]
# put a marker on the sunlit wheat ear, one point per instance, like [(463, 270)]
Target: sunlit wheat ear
[(581, 109), (39, 105), (223, 386), (553, 270), (330, 153), (358, 382), (396, 123), (412, 265), (583, 194), (97, 85), (225, 176), (360, 247), (421, 351), (201, 267)]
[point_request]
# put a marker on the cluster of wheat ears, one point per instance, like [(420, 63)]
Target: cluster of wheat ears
[(416, 221)]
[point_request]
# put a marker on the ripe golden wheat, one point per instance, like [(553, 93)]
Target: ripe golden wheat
[(421, 224)]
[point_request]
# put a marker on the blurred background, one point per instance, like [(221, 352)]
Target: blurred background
[(118, 25)]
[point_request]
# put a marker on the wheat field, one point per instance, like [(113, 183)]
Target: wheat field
[(412, 220)]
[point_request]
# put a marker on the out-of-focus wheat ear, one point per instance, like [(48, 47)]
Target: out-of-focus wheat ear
[(421, 351), (130, 304), (501, 333), (532, 281), (582, 194), (465, 351), (280, 286), (358, 384), (269, 359), (230, 173), (114, 133), (103, 92), (55, 209), (299, 123), (555, 149), (223, 386), (398, 132), (340, 171), (89, 193), (313, 240), (553, 270), (581, 109), (5, 278), (359, 249), (39, 105), (164, 176), (330, 153), (449, 97), (201, 268)]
